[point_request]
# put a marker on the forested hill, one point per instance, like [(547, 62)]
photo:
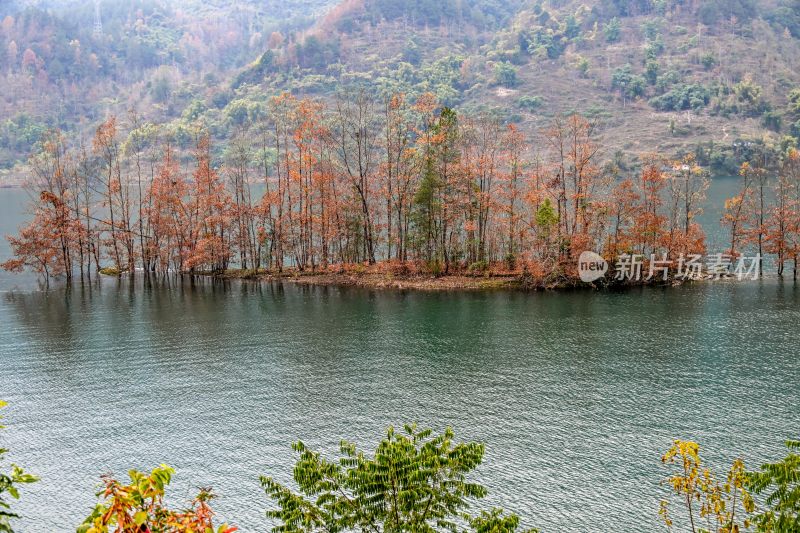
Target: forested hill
[(715, 77), (61, 70)]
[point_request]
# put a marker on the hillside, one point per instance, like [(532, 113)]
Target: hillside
[(673, 76), (154, 56), (668, 76)]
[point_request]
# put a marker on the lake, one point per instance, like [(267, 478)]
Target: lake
[(575, 394)]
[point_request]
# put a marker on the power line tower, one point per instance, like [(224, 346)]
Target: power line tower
[(98, 23)]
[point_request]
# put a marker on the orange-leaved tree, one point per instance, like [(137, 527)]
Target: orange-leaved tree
[(138, 507)]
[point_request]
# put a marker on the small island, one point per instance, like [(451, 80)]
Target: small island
[(394, 193)]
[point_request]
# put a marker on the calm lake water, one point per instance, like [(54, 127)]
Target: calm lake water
[(576, 394)]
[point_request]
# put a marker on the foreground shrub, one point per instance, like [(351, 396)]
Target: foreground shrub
[(9, 485), (779, 482), (720, 505), (138, 507), (728, 505), (414, 482)]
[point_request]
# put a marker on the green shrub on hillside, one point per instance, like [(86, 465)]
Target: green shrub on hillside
[(543, 42), (256, 71), (681, 97), (651, 29), (651, 69), (654, 48), (612, 30), (505, 74), (667, 80), (194, 110), (529, 102), (708, 60), (772, 120), (629, 84), (21, 133)]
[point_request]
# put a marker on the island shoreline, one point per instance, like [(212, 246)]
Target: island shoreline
[(456, 282)]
